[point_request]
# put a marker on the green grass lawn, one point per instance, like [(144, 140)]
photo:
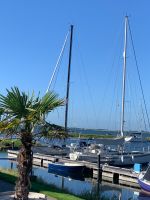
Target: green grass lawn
[(90, 136), (38, 186)]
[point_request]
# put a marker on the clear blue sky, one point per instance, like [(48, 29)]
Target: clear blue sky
[(31, 36)]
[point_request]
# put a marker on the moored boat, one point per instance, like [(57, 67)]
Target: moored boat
[(130, 158), (72, 170), (144, 180)]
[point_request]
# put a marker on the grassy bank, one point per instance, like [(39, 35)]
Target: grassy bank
[(38, 186), (9, 143), (6, 143), (90, 136)]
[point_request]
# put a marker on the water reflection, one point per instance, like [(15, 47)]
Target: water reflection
[(88, 187)]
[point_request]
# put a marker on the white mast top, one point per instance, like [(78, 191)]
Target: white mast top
[(124, 77)]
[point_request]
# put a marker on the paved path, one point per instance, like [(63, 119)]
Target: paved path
[(5, 187)]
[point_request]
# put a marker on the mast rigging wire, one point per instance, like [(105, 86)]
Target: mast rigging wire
[(136, 63), (58, 61)]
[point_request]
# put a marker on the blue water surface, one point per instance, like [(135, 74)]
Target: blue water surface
[(76, 186)]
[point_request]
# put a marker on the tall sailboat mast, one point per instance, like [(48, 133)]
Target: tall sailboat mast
[(124, 77), (68, 78)]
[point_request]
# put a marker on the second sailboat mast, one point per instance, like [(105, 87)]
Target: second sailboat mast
[(124, 78)]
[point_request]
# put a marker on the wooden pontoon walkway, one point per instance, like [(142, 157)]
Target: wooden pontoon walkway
[(105, 172)]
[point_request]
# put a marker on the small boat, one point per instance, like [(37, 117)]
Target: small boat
[(53, 150), (89, 157), (72, 170), (129, 158), (135, 137), (144, 180), (115, 159)]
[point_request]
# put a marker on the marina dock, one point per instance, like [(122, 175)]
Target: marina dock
[(117, 175)]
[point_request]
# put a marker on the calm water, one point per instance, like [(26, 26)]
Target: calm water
[(77, 186)]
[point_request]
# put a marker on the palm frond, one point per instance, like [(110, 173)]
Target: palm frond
[(5, 124), (15, 102), (50, 131), (21, 109), (49, 102)]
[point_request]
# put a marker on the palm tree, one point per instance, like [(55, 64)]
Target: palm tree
[(22, 115)]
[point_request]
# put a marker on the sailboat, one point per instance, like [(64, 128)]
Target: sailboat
[(120, 158), (128, 158)]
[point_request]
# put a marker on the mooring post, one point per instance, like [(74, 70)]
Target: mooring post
[(99, 172), (41, 162), (12, 147)]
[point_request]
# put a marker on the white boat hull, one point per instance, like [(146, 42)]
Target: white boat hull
[(116, 159), (111, 141), (130, 159)]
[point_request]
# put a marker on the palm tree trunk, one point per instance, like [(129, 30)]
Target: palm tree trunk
[(24, 167)]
